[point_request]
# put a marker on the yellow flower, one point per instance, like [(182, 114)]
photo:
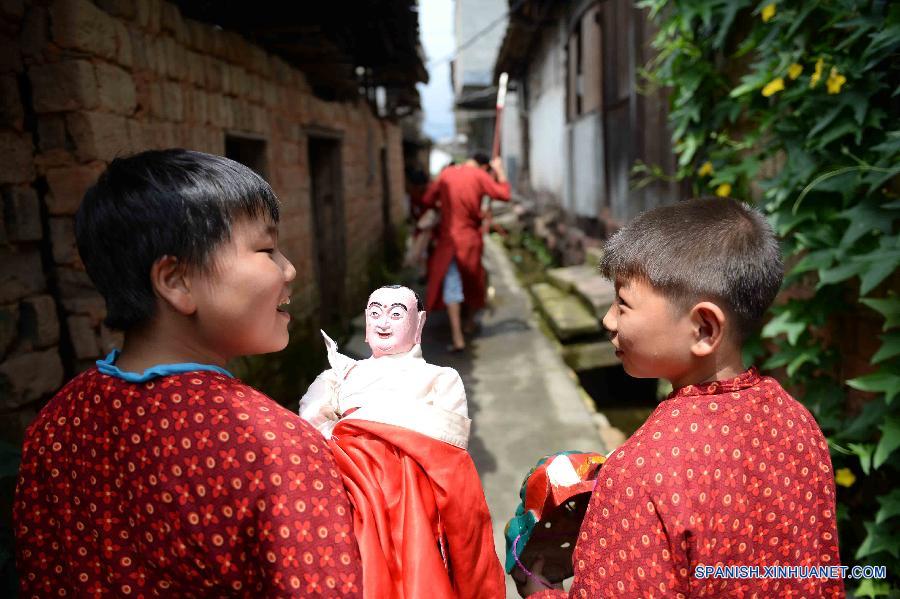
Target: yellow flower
[(705, 169), (773, 87), (795, 70), (723, 190), (844, 477), (817, 73), (768, 12), (835, 81)]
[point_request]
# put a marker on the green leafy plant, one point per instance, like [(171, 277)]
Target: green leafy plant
[(794, 105)]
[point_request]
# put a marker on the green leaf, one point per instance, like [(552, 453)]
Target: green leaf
[(864, 451), (878, 540), (890, 506), (888, 308), (890, 347), (840, 273), (864, 425), (809, 355), (890, 440), (865, 217), (878, 382), (869, 587), (784, 323), (825, 120), (815, 260)]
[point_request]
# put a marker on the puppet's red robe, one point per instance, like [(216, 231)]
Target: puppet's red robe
[(419, 514), (459, 190)]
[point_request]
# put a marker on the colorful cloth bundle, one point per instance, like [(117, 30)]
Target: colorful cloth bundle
[(554, 494)]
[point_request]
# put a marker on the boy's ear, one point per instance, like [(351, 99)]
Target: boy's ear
[(170, 282), (708, 323)]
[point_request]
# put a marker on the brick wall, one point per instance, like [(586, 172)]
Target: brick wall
[(81, 83)]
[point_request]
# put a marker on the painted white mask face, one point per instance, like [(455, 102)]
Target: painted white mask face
[(393, 325)]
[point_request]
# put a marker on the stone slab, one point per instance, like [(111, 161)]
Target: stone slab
[(586, 281), (566, 314), (585, 356)]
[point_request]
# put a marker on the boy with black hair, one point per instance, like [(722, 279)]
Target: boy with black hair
[(157, 472), (729, 470)]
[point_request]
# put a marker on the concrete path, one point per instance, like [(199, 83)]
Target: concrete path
[(522, 398)]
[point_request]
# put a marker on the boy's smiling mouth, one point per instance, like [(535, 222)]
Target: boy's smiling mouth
[(284, 302)]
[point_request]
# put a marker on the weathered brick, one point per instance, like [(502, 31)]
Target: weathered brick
[(61, 86), (73, 282), (51, 131), (98, 135), (68, 184), (213, 73), (195, 106), (16, 161), (139, 50), (173, 101), (199, 36), (21, 275), (124, 9), (88, 303), (149, 13), (175, 58), (35, 31), (38, 322), (11, 113), (124, 49), (115, 89), (80, 25), (9, 326), (30, 376), (10, 55), (22, 213), (62, 239), (195, 66), (220, 112), (83, 337)]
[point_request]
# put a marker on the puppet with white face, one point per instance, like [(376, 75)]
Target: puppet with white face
[(395, 385), (398, 428)]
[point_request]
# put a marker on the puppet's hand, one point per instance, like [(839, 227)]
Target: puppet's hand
[(532, 581)]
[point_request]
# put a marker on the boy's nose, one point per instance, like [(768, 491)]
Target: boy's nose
[(609, 320), (290, 273)]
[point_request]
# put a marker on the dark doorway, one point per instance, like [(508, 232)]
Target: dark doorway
[(328, 225), (249, 151)]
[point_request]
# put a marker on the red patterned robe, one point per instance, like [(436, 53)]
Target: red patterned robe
[(187, 485), (459, 190), (734, 472)]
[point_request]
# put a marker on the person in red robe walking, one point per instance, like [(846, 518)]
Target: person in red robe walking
[(730, 475), (156, 472), (456, 278)]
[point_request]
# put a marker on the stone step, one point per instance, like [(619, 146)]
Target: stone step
[(566, 314), (586, 281), (585, 356)]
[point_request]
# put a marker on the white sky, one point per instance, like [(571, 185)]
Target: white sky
[(436, 30)]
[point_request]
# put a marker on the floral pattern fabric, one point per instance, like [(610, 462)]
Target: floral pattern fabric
[(189, 485), (730, 473)]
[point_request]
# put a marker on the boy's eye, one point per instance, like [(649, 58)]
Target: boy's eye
[(396, 315), (268, 250)]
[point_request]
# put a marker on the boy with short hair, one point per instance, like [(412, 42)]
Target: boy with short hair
[(157, 472), (729, 470)]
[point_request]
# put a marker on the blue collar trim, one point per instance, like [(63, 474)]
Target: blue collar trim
[(108, 366)]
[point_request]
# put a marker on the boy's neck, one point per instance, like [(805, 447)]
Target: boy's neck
[(715, 368), (154, 345)]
